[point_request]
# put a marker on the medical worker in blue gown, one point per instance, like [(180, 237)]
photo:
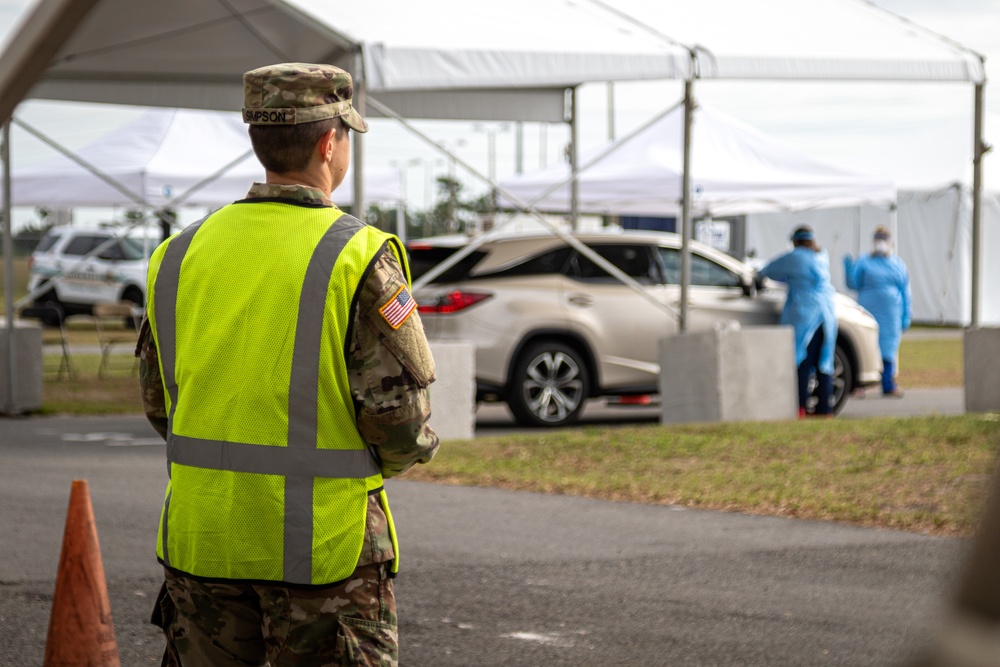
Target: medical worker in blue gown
[(809, 308), (883, 287)]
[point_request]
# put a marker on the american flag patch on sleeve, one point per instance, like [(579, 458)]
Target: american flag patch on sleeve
[(398, 308)]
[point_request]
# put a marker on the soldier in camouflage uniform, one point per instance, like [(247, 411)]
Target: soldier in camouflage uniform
[(389, 368)]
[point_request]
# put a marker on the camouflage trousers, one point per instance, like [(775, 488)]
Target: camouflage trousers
[(216, 624)]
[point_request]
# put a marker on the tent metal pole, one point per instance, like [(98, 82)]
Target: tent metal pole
[(686, 206), (8, 267), (611, 110), (574, 160), (978, 149), (360, 103), (519, 147)]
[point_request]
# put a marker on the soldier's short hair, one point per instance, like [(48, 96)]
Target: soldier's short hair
[(286, 148)]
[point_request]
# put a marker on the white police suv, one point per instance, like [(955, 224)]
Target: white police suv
[(77, 277)]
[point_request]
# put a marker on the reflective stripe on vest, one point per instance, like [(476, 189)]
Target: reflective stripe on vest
[(301, 460)]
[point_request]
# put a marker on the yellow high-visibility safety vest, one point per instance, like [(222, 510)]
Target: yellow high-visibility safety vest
[(269, 477)]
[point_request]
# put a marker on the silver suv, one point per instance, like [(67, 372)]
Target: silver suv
[(553, 329), (77, 281)]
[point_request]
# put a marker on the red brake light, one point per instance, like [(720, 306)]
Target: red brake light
[(452, 302)]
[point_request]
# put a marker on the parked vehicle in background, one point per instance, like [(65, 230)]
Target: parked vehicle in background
[(552, 329), (76, 278)]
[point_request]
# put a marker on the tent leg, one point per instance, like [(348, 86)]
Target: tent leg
[(8, 266), (574, 160), (978, 149), (686, 206), (360, 102)]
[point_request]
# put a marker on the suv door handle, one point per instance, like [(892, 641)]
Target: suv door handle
[(580, 300)]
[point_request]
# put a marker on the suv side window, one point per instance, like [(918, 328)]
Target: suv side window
[(112, 252), (633, 260), (547, 263), (704, 272), (83, 244)]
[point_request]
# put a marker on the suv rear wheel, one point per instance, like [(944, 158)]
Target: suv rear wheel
[(550, 385)]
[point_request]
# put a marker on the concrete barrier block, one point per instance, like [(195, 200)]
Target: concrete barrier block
[(453, 394), (729, 374), (28, 368), (981, 361)]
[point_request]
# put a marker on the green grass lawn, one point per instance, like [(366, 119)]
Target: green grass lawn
[(20, 277), (931, 362), (925, 474)]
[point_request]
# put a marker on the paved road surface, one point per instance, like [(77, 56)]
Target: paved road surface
[(495, 418), (492, 577)]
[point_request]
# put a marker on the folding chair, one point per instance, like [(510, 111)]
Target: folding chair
[(116, 324), (53, 322)]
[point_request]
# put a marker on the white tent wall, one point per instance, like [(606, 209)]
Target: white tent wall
[(933, 236), (838, 230)]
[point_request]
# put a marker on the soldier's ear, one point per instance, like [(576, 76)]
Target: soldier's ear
[(326, 143)]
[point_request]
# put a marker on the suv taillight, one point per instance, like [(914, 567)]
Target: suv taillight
[(452, 302)]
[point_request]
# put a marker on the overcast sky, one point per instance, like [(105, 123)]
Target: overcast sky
[(872, 127)]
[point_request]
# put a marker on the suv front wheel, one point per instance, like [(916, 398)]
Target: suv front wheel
[(550, 385)]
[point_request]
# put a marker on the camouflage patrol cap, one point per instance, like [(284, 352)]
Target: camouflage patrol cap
[(294, 93)]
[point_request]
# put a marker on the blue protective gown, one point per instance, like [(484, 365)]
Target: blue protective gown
[(809, 304), (883, 287)]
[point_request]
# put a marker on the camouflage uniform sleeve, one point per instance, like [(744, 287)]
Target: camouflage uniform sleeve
[(150, 383), (390, 367)]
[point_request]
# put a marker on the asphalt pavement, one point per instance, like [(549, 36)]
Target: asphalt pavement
[(493, 577)]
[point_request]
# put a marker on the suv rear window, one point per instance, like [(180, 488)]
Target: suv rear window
[(423, 258), (47, 242)]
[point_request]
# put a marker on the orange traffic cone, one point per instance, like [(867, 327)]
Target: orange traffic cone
[(80, 630)]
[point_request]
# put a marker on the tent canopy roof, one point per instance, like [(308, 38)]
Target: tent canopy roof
[(735, 169), (507, 64), (818, 39), (494, 61)]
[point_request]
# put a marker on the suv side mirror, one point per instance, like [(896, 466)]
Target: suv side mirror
[(750, 285)]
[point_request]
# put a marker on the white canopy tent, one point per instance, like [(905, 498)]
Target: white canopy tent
[(735, 169), (160, 156)]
